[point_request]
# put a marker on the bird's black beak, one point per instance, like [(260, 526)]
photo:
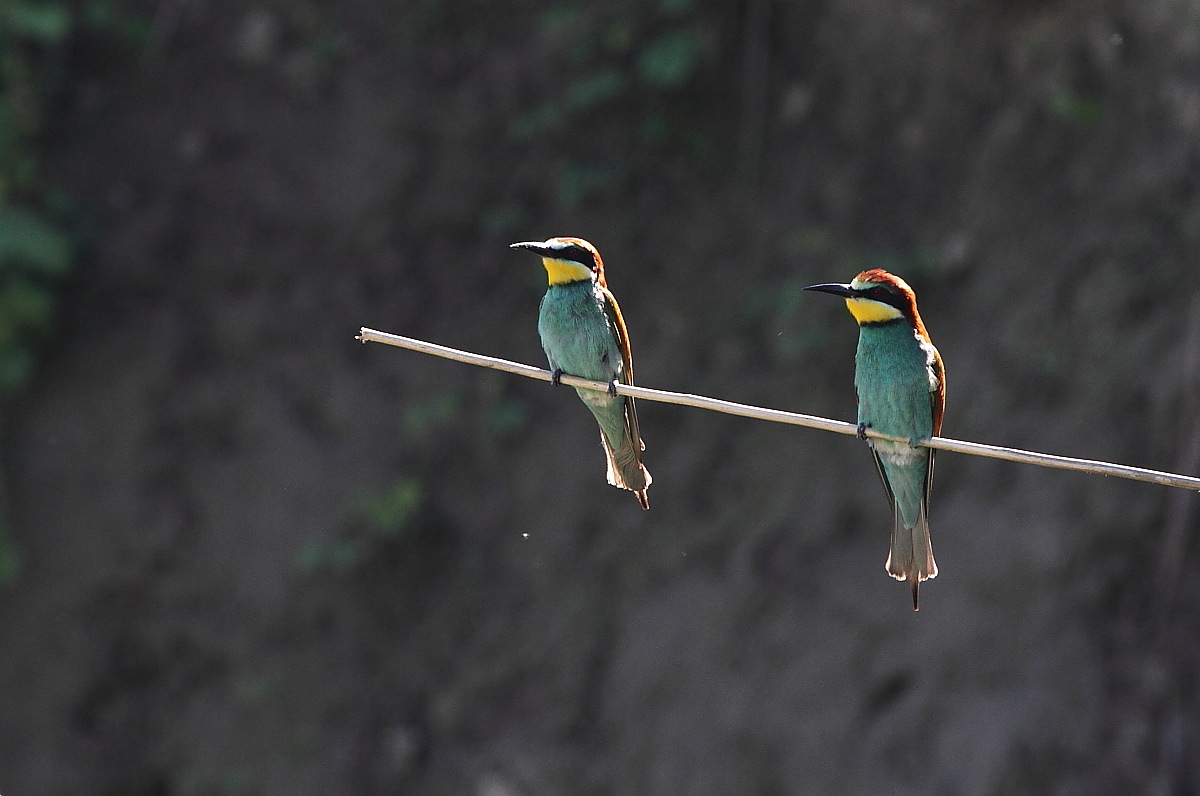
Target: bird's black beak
[(535, 246), (837, 289)]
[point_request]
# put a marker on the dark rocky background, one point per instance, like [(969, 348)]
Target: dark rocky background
[(260, 558)]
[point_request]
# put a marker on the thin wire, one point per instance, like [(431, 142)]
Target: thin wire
[(789, 418)]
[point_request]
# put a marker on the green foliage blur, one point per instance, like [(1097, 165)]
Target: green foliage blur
[(374, 520), (629, 58), (37, 247), (40, 234)]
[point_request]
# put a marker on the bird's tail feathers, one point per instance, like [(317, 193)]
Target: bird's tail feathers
[(911, 556), (625, 468)]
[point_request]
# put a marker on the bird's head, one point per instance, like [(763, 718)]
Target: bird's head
[(567, 259), (876, 296)]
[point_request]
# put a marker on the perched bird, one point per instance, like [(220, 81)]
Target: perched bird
[(901, 388), (584, 334)]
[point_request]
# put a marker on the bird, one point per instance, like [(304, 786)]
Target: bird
[(583, 334), (901, 386)]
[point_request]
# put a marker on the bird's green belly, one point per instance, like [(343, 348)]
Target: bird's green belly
[(576, 335), (892, 379), (578, 340)]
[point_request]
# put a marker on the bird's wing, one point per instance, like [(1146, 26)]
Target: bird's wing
[(928, 479), (613, 310), (617, 322), (937, 396), (891, 496), (937, 401)]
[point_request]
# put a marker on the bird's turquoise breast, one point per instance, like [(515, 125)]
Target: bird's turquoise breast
[(576, 334), (893, 381)]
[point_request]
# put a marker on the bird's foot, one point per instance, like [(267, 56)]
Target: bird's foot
[(556, 377), (861, 432), (915, 442), (612, 388)]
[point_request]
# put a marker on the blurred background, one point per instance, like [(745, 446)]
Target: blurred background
[(244, 554)]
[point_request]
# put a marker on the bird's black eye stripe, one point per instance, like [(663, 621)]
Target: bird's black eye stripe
[(884, 296), (580, 255), (572, 252)]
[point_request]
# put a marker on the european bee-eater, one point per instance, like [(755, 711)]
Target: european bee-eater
[(584, 334), (901, 388)]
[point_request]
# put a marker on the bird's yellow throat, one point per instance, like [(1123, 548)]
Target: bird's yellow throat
[(868, 311), (562, 271)]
